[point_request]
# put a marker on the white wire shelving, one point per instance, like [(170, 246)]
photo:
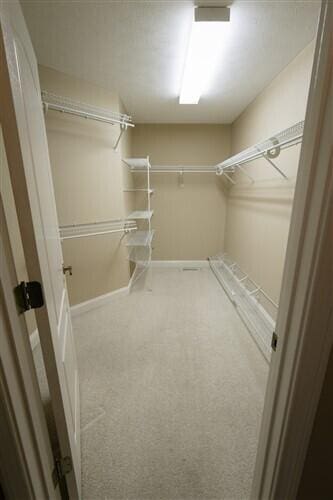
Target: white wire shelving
[(72, 231), (178, 169), (141, 214), (66, 105), (140, 239), (138, 164), (138, 190), (268, 150), (250, 300), (140, 242)]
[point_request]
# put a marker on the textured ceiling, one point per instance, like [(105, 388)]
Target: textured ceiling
[(138, 48)]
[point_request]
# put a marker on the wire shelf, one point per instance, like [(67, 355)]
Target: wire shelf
[(141, 214), (244, 294), (269, 149), (140, 239), (140, 255), (96, 228), (67, 105), (139, 190), (137, 163)]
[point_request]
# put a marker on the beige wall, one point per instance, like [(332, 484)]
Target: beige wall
[(189, 221), (258, 215), (88, 181)]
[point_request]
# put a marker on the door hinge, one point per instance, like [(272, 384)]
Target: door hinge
[(274, 341), (62, 467), (29, 295)]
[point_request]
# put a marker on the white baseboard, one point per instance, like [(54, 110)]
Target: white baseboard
[(102, 300), (99, 301), (180, 263), (34, 339)]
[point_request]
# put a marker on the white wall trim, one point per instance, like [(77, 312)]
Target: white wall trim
[(102, 300), (180, 263), (99, 301), (34, 339)]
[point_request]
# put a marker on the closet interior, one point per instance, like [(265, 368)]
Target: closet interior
[(173, 222), (255, 306)]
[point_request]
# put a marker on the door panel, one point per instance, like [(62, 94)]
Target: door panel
[(24, 131)]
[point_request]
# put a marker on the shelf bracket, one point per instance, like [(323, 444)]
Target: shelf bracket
[(123, 128), (181, 178), (229, 178), (274, 166), (242, 169)]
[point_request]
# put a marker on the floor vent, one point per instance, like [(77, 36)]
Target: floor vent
[(190, 269)]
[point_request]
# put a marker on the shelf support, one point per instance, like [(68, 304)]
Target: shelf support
[(274, 166), (229, 178), (242, 169), (123, 128), (181, 178)]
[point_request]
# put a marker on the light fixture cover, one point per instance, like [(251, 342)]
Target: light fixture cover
[(204, 51)]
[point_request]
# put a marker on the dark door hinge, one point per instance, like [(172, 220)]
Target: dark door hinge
[(274, 341), (62, 467), (29, 295)]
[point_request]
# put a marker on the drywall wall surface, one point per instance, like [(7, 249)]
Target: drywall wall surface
[(88, 182), (259, 213), (13, 228), (189, 214), (316, 479)]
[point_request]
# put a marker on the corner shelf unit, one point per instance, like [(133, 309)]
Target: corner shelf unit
[(139, 242), (250, 300)]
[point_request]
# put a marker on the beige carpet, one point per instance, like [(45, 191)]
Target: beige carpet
[(172, 390)]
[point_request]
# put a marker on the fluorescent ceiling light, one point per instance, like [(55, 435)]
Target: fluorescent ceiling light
[(203, 55)]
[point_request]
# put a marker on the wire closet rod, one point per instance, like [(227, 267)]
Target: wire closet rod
[(72, 231), (178, 169), (268, 149), (70, 106)]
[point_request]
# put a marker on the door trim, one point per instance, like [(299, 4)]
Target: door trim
[(26, 460), (305, 320), (26, 180)]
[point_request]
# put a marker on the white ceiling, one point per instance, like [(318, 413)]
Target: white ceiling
[(138, 48)]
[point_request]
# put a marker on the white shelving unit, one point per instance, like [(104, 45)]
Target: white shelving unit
[(140, 241), (141, 214)]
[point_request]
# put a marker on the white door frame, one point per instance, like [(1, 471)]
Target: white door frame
[(26, 460), (305, 320), (25, 139)]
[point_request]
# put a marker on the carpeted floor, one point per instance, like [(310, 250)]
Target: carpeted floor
[(172, 390)]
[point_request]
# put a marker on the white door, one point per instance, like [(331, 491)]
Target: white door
[(22, 119)]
